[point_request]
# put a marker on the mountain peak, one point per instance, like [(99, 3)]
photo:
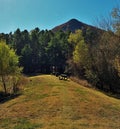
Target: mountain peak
[(71, 25), (73, 20)]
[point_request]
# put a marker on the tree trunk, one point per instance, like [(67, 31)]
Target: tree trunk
[(4, 85)]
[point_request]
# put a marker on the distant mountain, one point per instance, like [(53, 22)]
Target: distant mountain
[(72, 25)]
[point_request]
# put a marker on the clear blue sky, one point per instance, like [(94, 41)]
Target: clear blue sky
[(46, 14)]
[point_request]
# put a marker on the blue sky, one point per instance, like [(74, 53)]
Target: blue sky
[(46, 14)]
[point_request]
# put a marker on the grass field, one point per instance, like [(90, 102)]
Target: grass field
[(49, 103)]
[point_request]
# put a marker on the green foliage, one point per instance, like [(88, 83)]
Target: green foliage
[(26, 59), (76, 37), (81, 57), (57, 51), (8, 64), (80, 53)]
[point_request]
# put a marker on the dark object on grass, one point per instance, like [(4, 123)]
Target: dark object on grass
[(63, 77)]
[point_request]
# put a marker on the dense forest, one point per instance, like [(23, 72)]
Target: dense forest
[(92, 54)]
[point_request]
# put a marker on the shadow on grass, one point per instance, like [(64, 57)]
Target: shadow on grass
[(87, 84), (6, 97), (117, 96), (33, 74)]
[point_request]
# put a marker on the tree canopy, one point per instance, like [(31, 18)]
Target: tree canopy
[(9, 62)]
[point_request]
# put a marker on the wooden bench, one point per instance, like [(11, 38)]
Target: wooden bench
[(63, 77)]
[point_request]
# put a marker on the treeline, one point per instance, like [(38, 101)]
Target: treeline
[(40, 51), (96, 54), (93, 54), (98, 62)]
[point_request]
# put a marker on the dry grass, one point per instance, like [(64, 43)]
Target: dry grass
[(81, 81), (50, 103)]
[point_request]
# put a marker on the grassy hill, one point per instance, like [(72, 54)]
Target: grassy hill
[(50, 103)]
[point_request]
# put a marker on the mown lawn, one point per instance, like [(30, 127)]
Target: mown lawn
[(49, 103)]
